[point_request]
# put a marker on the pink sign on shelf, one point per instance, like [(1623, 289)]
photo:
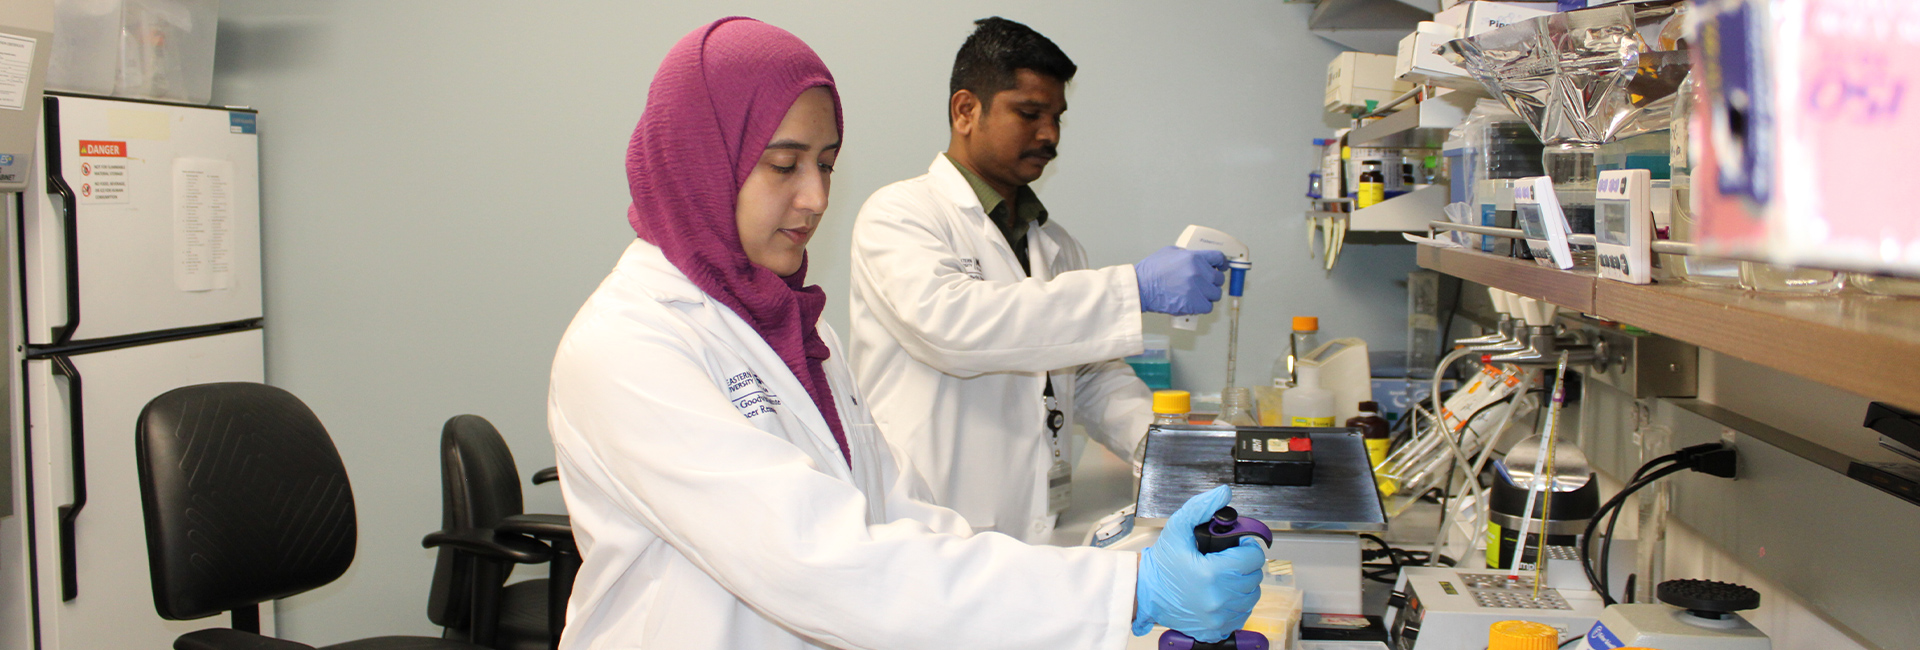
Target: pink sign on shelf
[(1853, 115), (1826, 91)]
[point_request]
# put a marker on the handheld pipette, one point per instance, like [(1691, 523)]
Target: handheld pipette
[(1221, 533), (1238, 262), (1202, 238)]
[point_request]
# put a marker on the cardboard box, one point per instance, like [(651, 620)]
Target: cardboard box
[(1483, 17), (1419, 64), (1356, 78)]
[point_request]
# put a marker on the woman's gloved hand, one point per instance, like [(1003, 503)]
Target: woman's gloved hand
[(1177, 281), (1205, 596)]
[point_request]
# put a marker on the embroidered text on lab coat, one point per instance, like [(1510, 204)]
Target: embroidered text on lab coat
[(750, 395)]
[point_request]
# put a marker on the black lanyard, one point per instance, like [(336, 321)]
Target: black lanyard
[(1056, 419)]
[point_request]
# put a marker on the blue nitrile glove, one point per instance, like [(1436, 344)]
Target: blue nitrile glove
[(1205, 596), (1177, 281)]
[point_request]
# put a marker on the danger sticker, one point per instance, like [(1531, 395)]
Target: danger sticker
[(107, 148), (103, 181)]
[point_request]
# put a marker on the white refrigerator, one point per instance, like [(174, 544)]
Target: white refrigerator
[(137, 249)]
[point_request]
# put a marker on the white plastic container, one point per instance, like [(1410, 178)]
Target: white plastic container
[(143, 49), (1308, 405)]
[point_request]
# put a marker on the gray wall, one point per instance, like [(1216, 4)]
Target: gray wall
[(443, 187)]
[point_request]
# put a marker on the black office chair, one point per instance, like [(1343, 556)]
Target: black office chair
[(481, 494), (246, 501)]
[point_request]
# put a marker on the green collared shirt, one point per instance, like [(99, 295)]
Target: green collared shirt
[(1012, 227)]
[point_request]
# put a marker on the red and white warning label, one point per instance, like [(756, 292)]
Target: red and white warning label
[(103, 175)]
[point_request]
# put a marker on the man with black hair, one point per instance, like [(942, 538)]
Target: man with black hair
[(979, 334)]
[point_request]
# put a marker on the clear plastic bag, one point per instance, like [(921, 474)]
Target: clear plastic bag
[(86, 47), (166, 49), (145, 49)]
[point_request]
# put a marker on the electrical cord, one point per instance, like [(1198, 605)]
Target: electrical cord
[(1397, 559), (1596, 571), (1714, 458), (1606, 545)]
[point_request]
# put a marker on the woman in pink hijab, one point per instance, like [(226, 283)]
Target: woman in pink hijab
[(727, 488)]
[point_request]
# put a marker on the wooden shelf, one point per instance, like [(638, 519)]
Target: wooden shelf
[(1570, 289), (1869, 345)]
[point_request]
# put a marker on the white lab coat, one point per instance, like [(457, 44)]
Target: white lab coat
[(714, 509), (952, 342)]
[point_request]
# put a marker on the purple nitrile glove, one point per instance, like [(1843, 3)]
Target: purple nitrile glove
[(1203, 595), (1177, 281)]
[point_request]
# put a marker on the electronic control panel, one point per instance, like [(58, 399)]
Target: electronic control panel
[(1537, 208), (1623, 225), (1451, 609)]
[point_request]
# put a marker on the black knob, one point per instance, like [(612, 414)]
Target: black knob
[(1708, 598), (1223, 520)]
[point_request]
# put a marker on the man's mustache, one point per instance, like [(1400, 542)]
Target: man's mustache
[(1047, 151)]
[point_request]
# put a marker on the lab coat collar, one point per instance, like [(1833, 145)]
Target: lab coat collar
[(660, 278), (954, 188)]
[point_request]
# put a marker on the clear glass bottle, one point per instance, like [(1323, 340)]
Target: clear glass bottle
[(1305, 337), (1236, 408), (1885, 285), (1171, 406), (1774, 278), (1694, 269)]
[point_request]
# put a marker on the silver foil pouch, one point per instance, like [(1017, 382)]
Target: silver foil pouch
[(1580, 77)]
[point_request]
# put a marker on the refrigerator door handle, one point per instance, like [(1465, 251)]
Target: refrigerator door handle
[(76, 430), (69, 209)]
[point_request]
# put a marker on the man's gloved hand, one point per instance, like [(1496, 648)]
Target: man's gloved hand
[(1205, 596), (1177, 281)]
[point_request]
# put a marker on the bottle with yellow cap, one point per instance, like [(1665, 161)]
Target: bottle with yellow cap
[(1171, 406), (1306, 337), (1522, 635)]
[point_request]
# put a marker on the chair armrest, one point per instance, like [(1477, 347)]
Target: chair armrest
[(547, 475), (491, 544), (543, 527), (221, 638)]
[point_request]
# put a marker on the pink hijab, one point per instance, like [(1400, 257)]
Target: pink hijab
[(713, 106)]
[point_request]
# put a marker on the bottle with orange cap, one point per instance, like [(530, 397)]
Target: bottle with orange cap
[(1522, 635), (1306, 337)]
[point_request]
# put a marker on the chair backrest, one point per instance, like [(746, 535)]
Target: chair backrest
[(245, 496), (479, 486)]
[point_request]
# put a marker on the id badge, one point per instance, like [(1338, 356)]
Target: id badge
[(1059, 487), (1060, 475)]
